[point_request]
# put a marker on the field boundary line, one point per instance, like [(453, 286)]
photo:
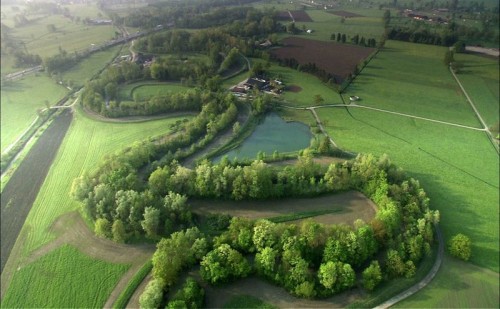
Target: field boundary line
[(424, 282), (483, 123), (384, 111)]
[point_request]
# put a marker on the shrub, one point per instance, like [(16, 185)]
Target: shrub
[(460, 247)]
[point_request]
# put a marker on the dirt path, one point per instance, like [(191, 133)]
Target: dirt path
[(424, 282), (320, 125), (134, 299)]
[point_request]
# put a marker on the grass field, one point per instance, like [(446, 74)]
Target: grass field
[(59, 275), (145, 90), (86, 142), (480, 79), (471, 287), (19, 104), (247, 301), (324, 24), (412, 79), (89, 66)]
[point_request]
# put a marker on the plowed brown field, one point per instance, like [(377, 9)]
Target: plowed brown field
[(336, 59)]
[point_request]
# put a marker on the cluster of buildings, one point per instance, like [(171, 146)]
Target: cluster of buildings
[(246, 87), (421, 16)]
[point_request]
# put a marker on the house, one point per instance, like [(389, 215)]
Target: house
[(267, 43), (309, 31)]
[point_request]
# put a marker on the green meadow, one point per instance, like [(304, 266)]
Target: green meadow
[(458, 285), (58, 274), (88, 67), (480, 78), (412, 79), (85, 144), (20, 101)]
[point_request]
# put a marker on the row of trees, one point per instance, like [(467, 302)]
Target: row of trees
[(119, 201), (311, 68), (342, 38), (316, 260)]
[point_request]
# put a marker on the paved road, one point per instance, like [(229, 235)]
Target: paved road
[(424, 282)]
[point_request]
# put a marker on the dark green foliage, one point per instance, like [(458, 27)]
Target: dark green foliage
[(223, 264), (246, 302), (460, 246), (190, 296), (372, 276), (218, 222)]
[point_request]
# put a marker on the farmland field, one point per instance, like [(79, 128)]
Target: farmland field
[(480, 78), (19, 105), (22, 189), (86, 68), (324, 24), (412, 79), (458, 285), (47, 281), (298, 16), (338, 60)]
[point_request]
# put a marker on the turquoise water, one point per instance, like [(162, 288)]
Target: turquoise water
[(272, 134)]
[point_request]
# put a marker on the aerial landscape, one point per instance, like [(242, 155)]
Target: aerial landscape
[(250, 154)]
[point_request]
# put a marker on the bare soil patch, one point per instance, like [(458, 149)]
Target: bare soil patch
[(216, 297), (339, 60), (352, 205), (294, 88), (21, 190), (345, 14)]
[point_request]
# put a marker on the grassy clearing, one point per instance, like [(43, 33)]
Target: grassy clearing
[(480, 79), (19, 105), (458, 285), (86, 142), (324, 24), (89, 66), (309, 84), (60, 274), (412, 79), (247, 301), (148, 89), (127, 293), (458, 168)]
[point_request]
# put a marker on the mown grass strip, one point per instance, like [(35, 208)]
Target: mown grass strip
[(127, 293), (247, 301), (302, 215)]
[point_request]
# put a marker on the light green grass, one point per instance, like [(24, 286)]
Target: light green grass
[(310, 85), (85, 144), (89, 10), (458, 285), (458, 168), (63, 278), (146, 90), (412, 79), (20, 101), (70, 36), (480, 79), (89, 66), (324, 24)]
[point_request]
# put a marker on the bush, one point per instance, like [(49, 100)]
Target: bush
[(460, 247), (222, 264)]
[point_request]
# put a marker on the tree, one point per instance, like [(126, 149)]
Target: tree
[(118, 231), (265, 262), (152, 295), (460, 246), (222, 264), (151, 221), (448, 57), (102, 228), (318, 99), (372, 276), (236, 127)]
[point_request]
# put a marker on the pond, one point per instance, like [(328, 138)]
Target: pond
[(272, 134)]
